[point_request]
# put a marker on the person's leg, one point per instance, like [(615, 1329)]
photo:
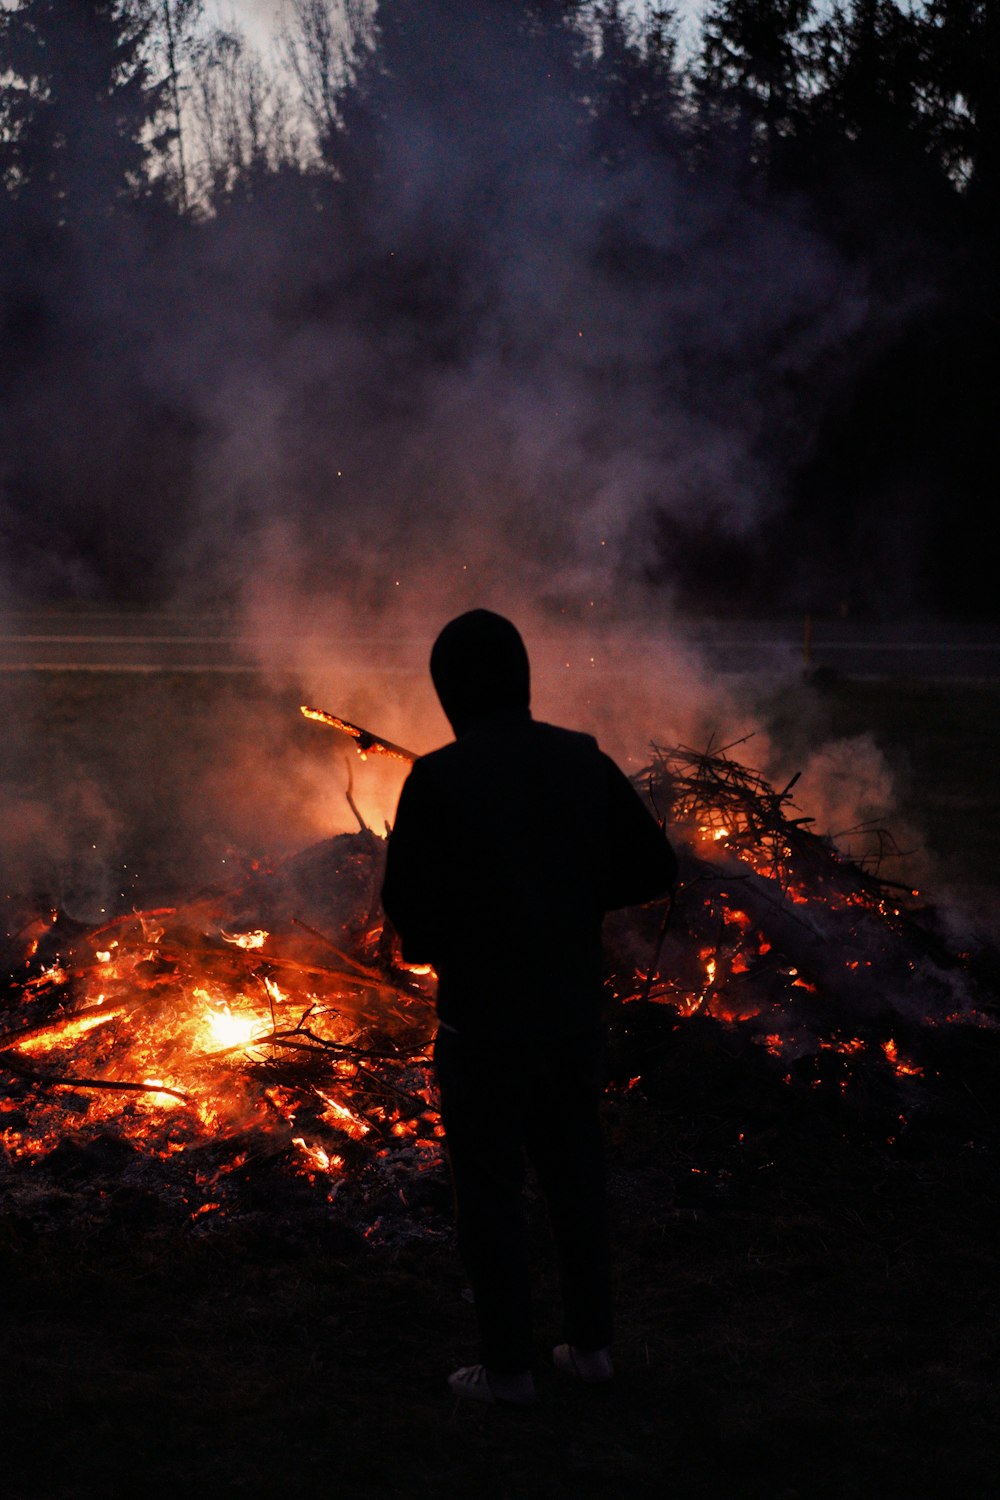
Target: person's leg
[(566, 1147), (479, 1109)]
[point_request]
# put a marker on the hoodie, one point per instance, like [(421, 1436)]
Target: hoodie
[(510, 844)]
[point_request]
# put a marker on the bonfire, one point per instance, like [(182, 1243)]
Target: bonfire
[(266, 1042)]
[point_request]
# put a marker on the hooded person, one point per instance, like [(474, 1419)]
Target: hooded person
[(508, 847)]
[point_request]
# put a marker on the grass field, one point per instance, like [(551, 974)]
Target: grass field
[(807, 1309)]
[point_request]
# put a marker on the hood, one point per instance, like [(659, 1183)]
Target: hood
[(480, 668)]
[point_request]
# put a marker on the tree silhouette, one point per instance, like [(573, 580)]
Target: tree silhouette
[(868, 78), (961, 75), (174, 30), (752, 69), (443, 185), (637, 89), (80, 109)]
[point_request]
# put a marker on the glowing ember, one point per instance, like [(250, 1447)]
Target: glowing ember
[(64, 1033), (234, 1031), (846, 1046), (903, 1068), (338, 1114), (177, 1039), (163, 1095), (246, 940), (319, 1159)]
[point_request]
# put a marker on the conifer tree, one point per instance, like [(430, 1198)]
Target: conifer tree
[(80, 109), (637, 88), (868, 80), (961, 45), (752, 68)]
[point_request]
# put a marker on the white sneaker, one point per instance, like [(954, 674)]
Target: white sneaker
[(592, 1366), (472, 1383)]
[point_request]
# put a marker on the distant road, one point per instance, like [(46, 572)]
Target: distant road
[(859, 649), (54, 641), (119, 642), (123, 642)]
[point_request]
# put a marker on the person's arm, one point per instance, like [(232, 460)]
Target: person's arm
[(413, 885), (641, 863)]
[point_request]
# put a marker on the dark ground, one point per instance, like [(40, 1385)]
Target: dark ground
[(807, 1287), (816, 1318)]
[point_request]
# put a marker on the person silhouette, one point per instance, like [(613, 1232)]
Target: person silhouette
[(509, 846)]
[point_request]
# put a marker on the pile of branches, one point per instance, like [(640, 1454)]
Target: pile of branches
[(772, 931), (115, 1041), (763, 895)]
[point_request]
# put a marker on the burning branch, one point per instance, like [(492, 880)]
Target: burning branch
[(349, 794), (70, 1081), (345, 958), (365, 742), (76, 1021)]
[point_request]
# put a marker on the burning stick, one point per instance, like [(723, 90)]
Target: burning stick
[(71, 1081), (366, 742), (344, 957), (80, 1020), (351, 977), (661, 938)]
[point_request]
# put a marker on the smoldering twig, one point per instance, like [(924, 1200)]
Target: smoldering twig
[(71, 1081), (328, 943), (366, 742), (349, 794)]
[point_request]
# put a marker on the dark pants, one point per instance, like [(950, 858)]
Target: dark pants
[(539, 1100)]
